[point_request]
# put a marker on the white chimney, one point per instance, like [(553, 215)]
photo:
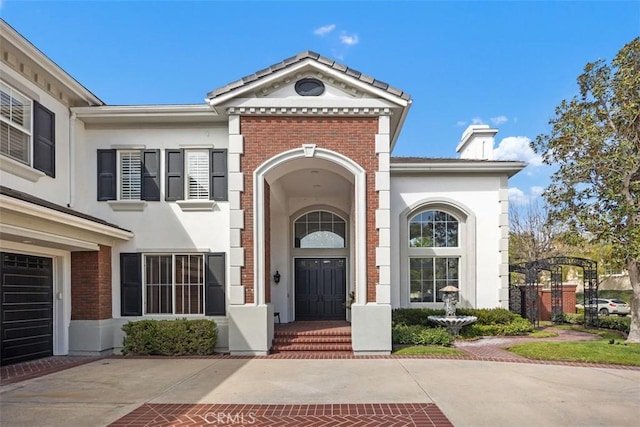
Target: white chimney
[(477, 143)]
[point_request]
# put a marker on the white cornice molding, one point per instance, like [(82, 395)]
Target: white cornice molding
[(42, 61), (143, 110), (311, 111), (20, 234), (26, 208), (459, 167)]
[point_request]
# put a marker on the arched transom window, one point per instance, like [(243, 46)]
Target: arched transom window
[(434, 255), (320, 229)]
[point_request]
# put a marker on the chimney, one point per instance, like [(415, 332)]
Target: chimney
[(477, 143)]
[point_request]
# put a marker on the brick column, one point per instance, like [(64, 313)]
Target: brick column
[(91, 284)]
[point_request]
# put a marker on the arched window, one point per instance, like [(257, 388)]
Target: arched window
[(320, 229), (434, 255)]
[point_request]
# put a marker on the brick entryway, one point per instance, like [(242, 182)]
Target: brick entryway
[(313, 337), (377, 414)]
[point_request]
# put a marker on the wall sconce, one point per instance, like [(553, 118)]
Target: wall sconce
[(276, 277)]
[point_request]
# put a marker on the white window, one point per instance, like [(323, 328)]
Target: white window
[(197, 166), (15, 124), (130, 174), (434, 255), (174, 284)]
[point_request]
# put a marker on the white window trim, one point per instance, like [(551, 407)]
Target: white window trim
[(20, 169), (194, 205), (466, 250), (173, 286), (27, 130), (127, 205)]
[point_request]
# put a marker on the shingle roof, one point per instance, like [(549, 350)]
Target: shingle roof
[(299, 58), (10, 192)]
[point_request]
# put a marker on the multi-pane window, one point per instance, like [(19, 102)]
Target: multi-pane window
[(174, 284), (433, 229), (15, 124), (434, 255), (320, 229), (428, 275), (130, 174), (197, 166)]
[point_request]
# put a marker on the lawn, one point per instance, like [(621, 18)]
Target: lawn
[(432, 350), (610, 348)]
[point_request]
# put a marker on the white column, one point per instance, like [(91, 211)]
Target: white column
[(236, 214)]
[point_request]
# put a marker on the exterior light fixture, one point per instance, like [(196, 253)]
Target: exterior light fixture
[(276, 277)]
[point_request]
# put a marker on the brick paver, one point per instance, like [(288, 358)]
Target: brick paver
[(37, 368), (375, 414)]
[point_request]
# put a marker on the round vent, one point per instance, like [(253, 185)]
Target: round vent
[(309, 87)]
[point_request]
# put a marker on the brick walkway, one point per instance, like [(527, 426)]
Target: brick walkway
[(383, 414), (37, 368)]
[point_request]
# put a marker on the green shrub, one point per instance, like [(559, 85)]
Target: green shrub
[(420, 335), (574, 319), (420, 316), (415, 316), (616, 323), (178, 337), (489, 316), (518, 326)]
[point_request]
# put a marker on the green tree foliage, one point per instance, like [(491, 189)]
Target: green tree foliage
[(595, 142)]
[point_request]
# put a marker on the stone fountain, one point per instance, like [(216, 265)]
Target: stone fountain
[(452, 322)]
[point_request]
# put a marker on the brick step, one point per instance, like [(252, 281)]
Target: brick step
[(337, 333), (289, 339), (318, 347)]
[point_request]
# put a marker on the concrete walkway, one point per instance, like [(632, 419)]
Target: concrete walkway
[(468, 392)]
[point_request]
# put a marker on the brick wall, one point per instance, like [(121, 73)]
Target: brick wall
[(568, 301), (91, 284), (265, 137)]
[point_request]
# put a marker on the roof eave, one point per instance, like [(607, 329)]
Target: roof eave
[(458, 167), (42, 60)]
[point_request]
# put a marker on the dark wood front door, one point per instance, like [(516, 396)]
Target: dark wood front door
[(321, 285), (26, 292)]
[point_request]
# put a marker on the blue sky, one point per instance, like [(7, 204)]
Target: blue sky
[(507, 64)]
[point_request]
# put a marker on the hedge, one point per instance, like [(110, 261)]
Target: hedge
[(420, 335), (179, 337), (420, 316)]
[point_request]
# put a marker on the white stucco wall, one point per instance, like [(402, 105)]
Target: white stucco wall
[(477, 193)]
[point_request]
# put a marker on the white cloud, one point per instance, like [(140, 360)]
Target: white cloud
[(321, 31), (517, 196), (499, 120), (517, 148), (461, 122), (536, 191), (349, 39), (477, 121)]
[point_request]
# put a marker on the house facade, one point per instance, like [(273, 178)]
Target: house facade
[(277, 199)]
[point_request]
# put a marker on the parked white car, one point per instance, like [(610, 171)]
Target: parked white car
[(610, 306)]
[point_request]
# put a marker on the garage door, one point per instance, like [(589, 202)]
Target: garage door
[(26, 323)]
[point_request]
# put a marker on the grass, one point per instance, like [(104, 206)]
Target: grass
[(432, 350), (610, 349), (542, 334)]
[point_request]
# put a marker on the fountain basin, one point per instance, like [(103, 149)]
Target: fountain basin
[(453, 324)]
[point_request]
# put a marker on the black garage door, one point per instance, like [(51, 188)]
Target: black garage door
[(26, 321)]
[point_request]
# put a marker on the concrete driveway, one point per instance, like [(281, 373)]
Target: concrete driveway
[(469, 393)]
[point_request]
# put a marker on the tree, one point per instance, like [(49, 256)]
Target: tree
[(595, 142), (531, 236)]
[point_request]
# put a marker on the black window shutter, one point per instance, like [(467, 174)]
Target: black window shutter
[(44, 140), (131, 284), (174, 189), (218, 171), (151, 175), (106, 175), (214, 285)]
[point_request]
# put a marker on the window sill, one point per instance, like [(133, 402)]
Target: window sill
[(196, 205), (127, 205), (20, 169)]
